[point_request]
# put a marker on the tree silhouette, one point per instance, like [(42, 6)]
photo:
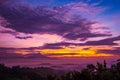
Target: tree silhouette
[(91, 72)]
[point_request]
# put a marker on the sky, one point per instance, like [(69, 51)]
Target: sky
[(60, 28)]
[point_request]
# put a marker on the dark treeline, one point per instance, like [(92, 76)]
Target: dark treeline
[(91, 72)]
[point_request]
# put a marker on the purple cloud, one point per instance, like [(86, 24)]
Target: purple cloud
[(84, 36), (4, 1), (107, 41), (16, 34), (50, 47), (8, 53), (41, 20), (113, 51), (23, 37), (11, 53), (59, 44)]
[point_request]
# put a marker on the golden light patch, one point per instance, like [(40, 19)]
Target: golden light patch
[(55, 51), (74, 52)]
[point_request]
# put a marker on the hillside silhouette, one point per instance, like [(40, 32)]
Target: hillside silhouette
[(100, 71)]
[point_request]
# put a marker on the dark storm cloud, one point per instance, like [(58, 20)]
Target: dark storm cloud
[(29, 19)]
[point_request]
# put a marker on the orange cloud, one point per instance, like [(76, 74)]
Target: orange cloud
[(74, 52)]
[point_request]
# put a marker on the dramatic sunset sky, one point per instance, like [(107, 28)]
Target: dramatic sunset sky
[(60, 28)]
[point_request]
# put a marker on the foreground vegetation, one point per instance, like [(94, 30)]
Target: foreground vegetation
[(91, 72)]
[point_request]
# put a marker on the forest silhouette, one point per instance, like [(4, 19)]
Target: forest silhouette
[(100, 71)]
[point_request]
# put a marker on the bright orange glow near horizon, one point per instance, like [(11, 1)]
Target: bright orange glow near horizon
[(68, 52)]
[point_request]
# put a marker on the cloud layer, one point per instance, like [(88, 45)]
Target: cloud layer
[(62, 21), (57, 27)]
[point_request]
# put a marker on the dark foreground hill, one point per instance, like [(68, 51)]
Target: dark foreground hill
[(91, 72)]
